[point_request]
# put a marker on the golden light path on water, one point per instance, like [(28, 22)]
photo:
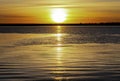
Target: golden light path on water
[(59, 54), (59, 44)]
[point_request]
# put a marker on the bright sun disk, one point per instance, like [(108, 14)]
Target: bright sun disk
[(58, 15)]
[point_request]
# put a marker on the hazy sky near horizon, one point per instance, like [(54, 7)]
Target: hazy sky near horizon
[(77, 11)]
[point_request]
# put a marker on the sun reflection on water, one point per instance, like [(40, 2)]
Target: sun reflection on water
[(59, 63), (59, 44), (59, 55), (59, 36)]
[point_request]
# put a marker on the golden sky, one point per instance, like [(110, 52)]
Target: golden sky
[(75, 11)]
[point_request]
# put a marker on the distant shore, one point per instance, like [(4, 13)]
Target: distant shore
[(71, 24)]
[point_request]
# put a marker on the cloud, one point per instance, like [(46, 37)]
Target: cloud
[(49, 3), (12, 16)]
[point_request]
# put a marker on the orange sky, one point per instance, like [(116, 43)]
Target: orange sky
[(77, 11)]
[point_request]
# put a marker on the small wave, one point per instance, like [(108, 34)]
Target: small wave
[(65, 39), (35, 41)]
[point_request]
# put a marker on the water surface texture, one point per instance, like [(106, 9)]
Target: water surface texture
[(60, 53)]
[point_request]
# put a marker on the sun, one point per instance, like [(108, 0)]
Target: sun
[(58, 15)]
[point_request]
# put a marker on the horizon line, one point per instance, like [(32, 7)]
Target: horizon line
[(54, 24)]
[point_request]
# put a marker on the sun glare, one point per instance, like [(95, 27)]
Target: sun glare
[(58, 15)]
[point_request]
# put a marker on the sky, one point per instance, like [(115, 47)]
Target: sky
[(77, 11)]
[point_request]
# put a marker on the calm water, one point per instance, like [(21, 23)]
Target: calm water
[(60, 53)]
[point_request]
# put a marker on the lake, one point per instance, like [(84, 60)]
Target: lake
[(59, 53)]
